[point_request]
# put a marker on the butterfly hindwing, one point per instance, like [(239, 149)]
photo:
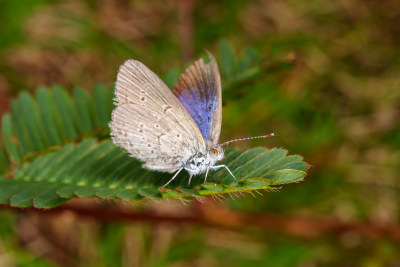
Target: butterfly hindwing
[(199, 91), (151, 137)]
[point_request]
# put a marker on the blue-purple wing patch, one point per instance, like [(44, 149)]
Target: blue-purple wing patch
[(199, 91)]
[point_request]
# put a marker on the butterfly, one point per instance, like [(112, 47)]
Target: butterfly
[(170, 131)]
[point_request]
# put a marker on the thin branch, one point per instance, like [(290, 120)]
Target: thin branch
[(214, 217)]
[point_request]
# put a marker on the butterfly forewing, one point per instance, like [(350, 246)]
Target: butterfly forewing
[(150, 122), (139, 85), (199, 91)]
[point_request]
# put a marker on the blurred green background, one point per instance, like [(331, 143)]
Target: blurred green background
[(323, 75)]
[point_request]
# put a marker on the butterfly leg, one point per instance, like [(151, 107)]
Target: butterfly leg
[(176, 174), (205, 178), (190, 178), (226, 167)]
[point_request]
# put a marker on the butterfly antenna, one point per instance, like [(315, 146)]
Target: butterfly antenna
[(248, 138)]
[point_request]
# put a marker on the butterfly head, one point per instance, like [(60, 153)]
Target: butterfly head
[(216, 153), (201, 161)]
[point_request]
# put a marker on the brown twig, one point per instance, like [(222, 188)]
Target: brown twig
[(217, 216)]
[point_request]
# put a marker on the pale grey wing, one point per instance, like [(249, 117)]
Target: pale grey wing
[(152, 137), (137, 84), (199, 91)]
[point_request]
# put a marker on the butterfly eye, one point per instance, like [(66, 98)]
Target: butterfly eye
[(214, 153), (199, 154)]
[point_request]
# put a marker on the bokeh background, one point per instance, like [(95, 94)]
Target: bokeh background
[(323, 75)]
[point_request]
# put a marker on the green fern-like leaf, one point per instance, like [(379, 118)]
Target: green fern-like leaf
[(52, 117), (61, 149)]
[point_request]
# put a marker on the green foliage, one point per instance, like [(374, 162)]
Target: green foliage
[(227, 59), (56, 143), (52, 118)]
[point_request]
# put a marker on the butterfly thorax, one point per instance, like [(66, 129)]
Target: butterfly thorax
[(200, 162)]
